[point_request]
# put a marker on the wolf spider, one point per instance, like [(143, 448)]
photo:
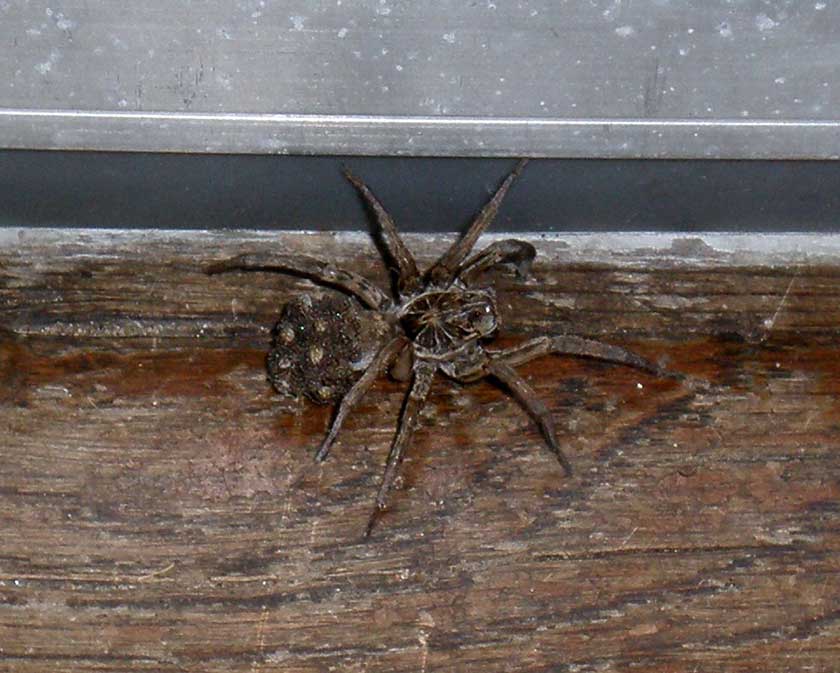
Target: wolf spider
[(438, 322)]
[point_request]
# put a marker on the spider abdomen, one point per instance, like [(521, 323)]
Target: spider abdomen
[(321, 346), (440, 321)]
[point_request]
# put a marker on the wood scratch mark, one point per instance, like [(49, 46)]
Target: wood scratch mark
[(156, 573), (287, 506), (628, 538), (315, 521), (770, 323), (426, 622), (423, 639), (92, 578), (255, 665), (239, 579), (312, 532)]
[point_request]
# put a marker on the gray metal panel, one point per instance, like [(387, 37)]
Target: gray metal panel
[(609, 78)]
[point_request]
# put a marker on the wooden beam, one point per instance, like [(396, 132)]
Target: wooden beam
[(161, 510)]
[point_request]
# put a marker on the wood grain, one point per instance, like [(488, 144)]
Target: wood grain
[(160, 509)]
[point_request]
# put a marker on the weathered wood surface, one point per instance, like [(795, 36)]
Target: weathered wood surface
[(161, 511)]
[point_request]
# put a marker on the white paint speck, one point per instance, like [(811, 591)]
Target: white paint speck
[(724, 30), (765, 23), (342, 33), (64, 24), (61, 21), (398, 67), (449, 37), (297, 22), (819, 6), (625, 31), (47, 66), (780, 80)]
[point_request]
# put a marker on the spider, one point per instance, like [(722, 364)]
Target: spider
[(438, 321)]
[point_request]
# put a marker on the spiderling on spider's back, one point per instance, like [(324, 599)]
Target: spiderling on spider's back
[(435, 321)]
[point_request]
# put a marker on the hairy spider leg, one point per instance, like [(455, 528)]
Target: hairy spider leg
[(408, 277), (306, 267), (526, 396), (575, 346), (445, 269), (386, 355), (510, 251), (424, 373)]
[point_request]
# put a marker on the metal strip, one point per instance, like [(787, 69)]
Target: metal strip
[(418, 135)]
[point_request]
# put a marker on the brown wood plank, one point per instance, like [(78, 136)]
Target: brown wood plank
[(161, 510)]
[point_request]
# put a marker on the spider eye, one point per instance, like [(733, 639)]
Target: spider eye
[(483, 320)]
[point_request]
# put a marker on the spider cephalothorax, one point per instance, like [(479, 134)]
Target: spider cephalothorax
[(442, 322), (435, 321)]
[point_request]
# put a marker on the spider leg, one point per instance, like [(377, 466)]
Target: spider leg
[(306, 267), (408, 275), (446, 267), (401, 368), (380, 361), (424, 372), (571, 345), (526, 396), (510, 251)]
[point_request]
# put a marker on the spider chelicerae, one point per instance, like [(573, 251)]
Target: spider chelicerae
[(436, 321)]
